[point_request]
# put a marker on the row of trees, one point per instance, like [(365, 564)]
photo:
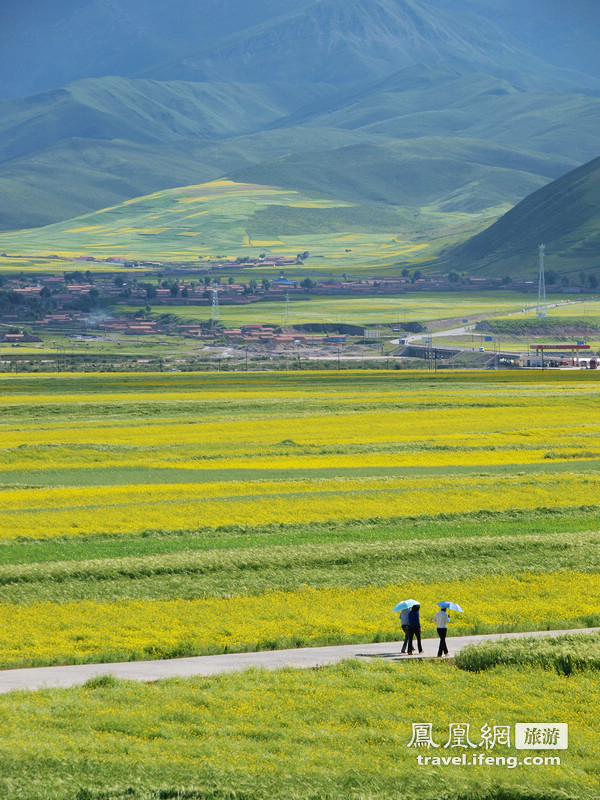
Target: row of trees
[(13, 303), (551, 277)]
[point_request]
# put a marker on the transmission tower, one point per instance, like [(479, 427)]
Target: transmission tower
[(542, 310), (215, 302), (287, 309)]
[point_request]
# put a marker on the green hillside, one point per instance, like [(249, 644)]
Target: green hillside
[(411, 121), (429, 137), (564, 215), (226, 218), (95, 173), (242, 218), (445, 174), (145, 111), (523, 113)]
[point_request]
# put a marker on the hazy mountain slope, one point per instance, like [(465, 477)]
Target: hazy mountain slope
[(352, 41), (565, 33), (564, 215), (446, 174), (143, 111), (44, 45)]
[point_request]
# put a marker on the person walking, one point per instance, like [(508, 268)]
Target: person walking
[(414, 629), (441, 620), (405, 627)]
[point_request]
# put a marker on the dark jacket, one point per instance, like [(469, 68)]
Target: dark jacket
[(414, 620)]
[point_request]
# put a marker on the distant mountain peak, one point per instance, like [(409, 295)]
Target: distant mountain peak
[(348, 40)]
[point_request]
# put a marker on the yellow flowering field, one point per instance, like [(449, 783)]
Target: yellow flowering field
[(129, 629), (137, 466), (502, 425), (41, 513), (275, 457), (151, 516)]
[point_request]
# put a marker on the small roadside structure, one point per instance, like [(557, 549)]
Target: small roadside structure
[(559, 355)]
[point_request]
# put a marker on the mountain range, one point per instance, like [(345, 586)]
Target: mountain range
[(427, 105), (46, 45)]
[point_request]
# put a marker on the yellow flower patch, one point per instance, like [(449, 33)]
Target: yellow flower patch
[(138, 628)]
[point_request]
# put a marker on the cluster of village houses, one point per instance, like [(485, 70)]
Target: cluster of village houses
[(130, 287), (247, 334)]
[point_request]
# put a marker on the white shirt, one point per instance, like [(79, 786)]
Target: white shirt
[(441, 619)]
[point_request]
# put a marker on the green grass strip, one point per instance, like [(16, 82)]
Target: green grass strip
[(475, 524), (256, 570), (565, 655), (99, 476)]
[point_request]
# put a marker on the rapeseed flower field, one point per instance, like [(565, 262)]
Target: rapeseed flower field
[(189, 462), (42, 513), (145, 516), (128, 629)]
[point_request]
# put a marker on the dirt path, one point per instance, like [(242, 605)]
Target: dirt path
[(38, 677)]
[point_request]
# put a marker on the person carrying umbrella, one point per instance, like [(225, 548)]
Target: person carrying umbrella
[(404, 609), (405, 627), (414, 629), (441, 620)]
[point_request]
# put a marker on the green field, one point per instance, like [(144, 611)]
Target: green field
[(584, 306), (566, 321), (412, 306), (167, 515), (336, 732)]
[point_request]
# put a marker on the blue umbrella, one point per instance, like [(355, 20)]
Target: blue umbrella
[(452, 606), (405, 604)]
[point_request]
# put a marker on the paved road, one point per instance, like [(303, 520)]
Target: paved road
[(39, 677), (462, 331)]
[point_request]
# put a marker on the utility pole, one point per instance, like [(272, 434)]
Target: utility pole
[(542, 310), (429, 352), (215, 314)]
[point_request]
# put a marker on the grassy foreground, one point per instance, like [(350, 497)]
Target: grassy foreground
[(568, 654), (332, 733)]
